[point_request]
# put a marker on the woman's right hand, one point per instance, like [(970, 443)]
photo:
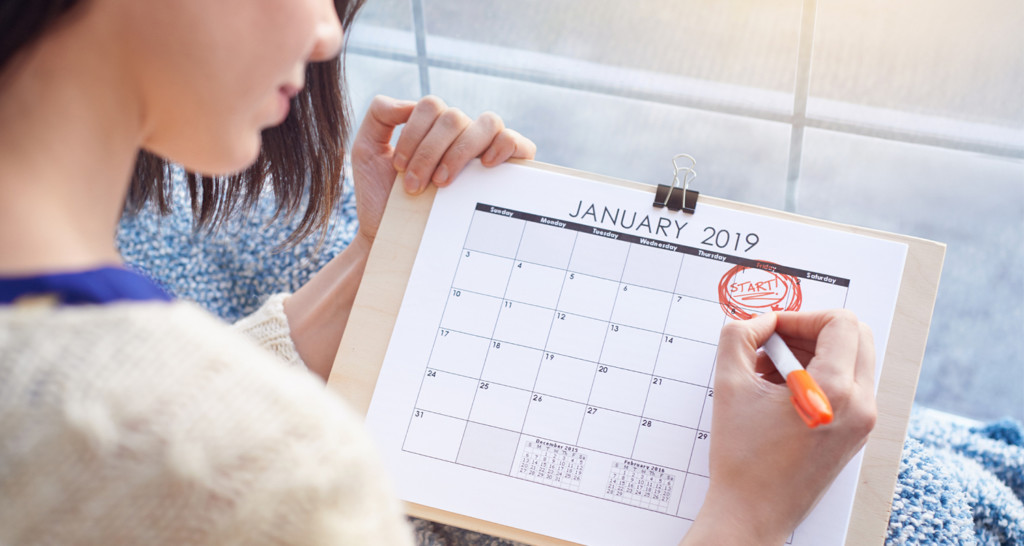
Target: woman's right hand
[(768, 469)]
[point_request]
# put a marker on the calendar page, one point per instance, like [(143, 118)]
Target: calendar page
[(552, 365)]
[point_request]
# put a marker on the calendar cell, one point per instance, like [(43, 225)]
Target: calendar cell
[(500, 406), (819, 296), (588, 295), (631, 348), (652, 267), (488, 448), (546, 245), (482, 273), (511, 364), (523, 324), (619, 390), (695, 319), (641, 307), (675, 402), (470, 313), (709, 409), (694, 491), (447, 394), (535, 284), (699, 458), (565, 377), (686, 360), (494, 234), (664, 444), (434, 435), (599, 256), (458, 353), (699, 277), (576, 336), (609, 431), (554, 419)]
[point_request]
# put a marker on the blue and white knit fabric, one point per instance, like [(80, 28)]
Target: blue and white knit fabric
[(960, 482), (232, 270)]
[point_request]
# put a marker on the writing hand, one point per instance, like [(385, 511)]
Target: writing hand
[(768, 469)]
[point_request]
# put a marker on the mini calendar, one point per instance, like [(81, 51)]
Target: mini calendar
[(552, 364)]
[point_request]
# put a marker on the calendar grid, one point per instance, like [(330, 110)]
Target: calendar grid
[(604, 341), (680, 469), (604, 278), (565, 355), (673, 334), (664, 331), (689, 462), (493, 341), (547, 339)]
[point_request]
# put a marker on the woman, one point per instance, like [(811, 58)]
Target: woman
[(126, 417)]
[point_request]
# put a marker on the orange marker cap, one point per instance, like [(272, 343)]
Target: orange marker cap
[(808, 399)]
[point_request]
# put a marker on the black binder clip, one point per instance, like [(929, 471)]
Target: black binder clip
[(674, 197)]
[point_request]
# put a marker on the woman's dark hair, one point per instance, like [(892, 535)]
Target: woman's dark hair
[(306, 152)]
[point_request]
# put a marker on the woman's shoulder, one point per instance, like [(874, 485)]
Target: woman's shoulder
[(153, 406), (139, 339), (157, 358)]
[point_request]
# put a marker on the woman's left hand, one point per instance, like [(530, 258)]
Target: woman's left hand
[(436, 143)]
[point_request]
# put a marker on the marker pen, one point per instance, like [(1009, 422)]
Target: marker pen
[(808, 399)]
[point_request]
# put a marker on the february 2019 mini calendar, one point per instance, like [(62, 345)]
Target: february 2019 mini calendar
[(552, 364)]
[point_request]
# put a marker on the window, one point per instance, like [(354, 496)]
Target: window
[(904, 117)]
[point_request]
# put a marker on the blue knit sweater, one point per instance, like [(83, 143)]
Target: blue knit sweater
[(960, 482)]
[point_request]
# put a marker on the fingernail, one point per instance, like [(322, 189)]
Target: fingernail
[(412, 183), (441, 175), (489, 156), (400, 162)]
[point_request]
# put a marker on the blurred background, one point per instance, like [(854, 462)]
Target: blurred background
[(905, 116)]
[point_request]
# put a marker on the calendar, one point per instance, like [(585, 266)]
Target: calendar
[(552, 366)]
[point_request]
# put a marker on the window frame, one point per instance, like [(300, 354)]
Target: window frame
[(929, 131)]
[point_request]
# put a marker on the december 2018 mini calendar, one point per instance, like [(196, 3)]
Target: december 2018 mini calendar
[(552, 365)]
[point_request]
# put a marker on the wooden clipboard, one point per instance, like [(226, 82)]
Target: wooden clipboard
[(377, 303)]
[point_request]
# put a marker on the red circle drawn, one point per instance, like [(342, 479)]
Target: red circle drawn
[(759, 290)]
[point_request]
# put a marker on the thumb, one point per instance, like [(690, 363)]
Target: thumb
[(384, 114), (737, 346)]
